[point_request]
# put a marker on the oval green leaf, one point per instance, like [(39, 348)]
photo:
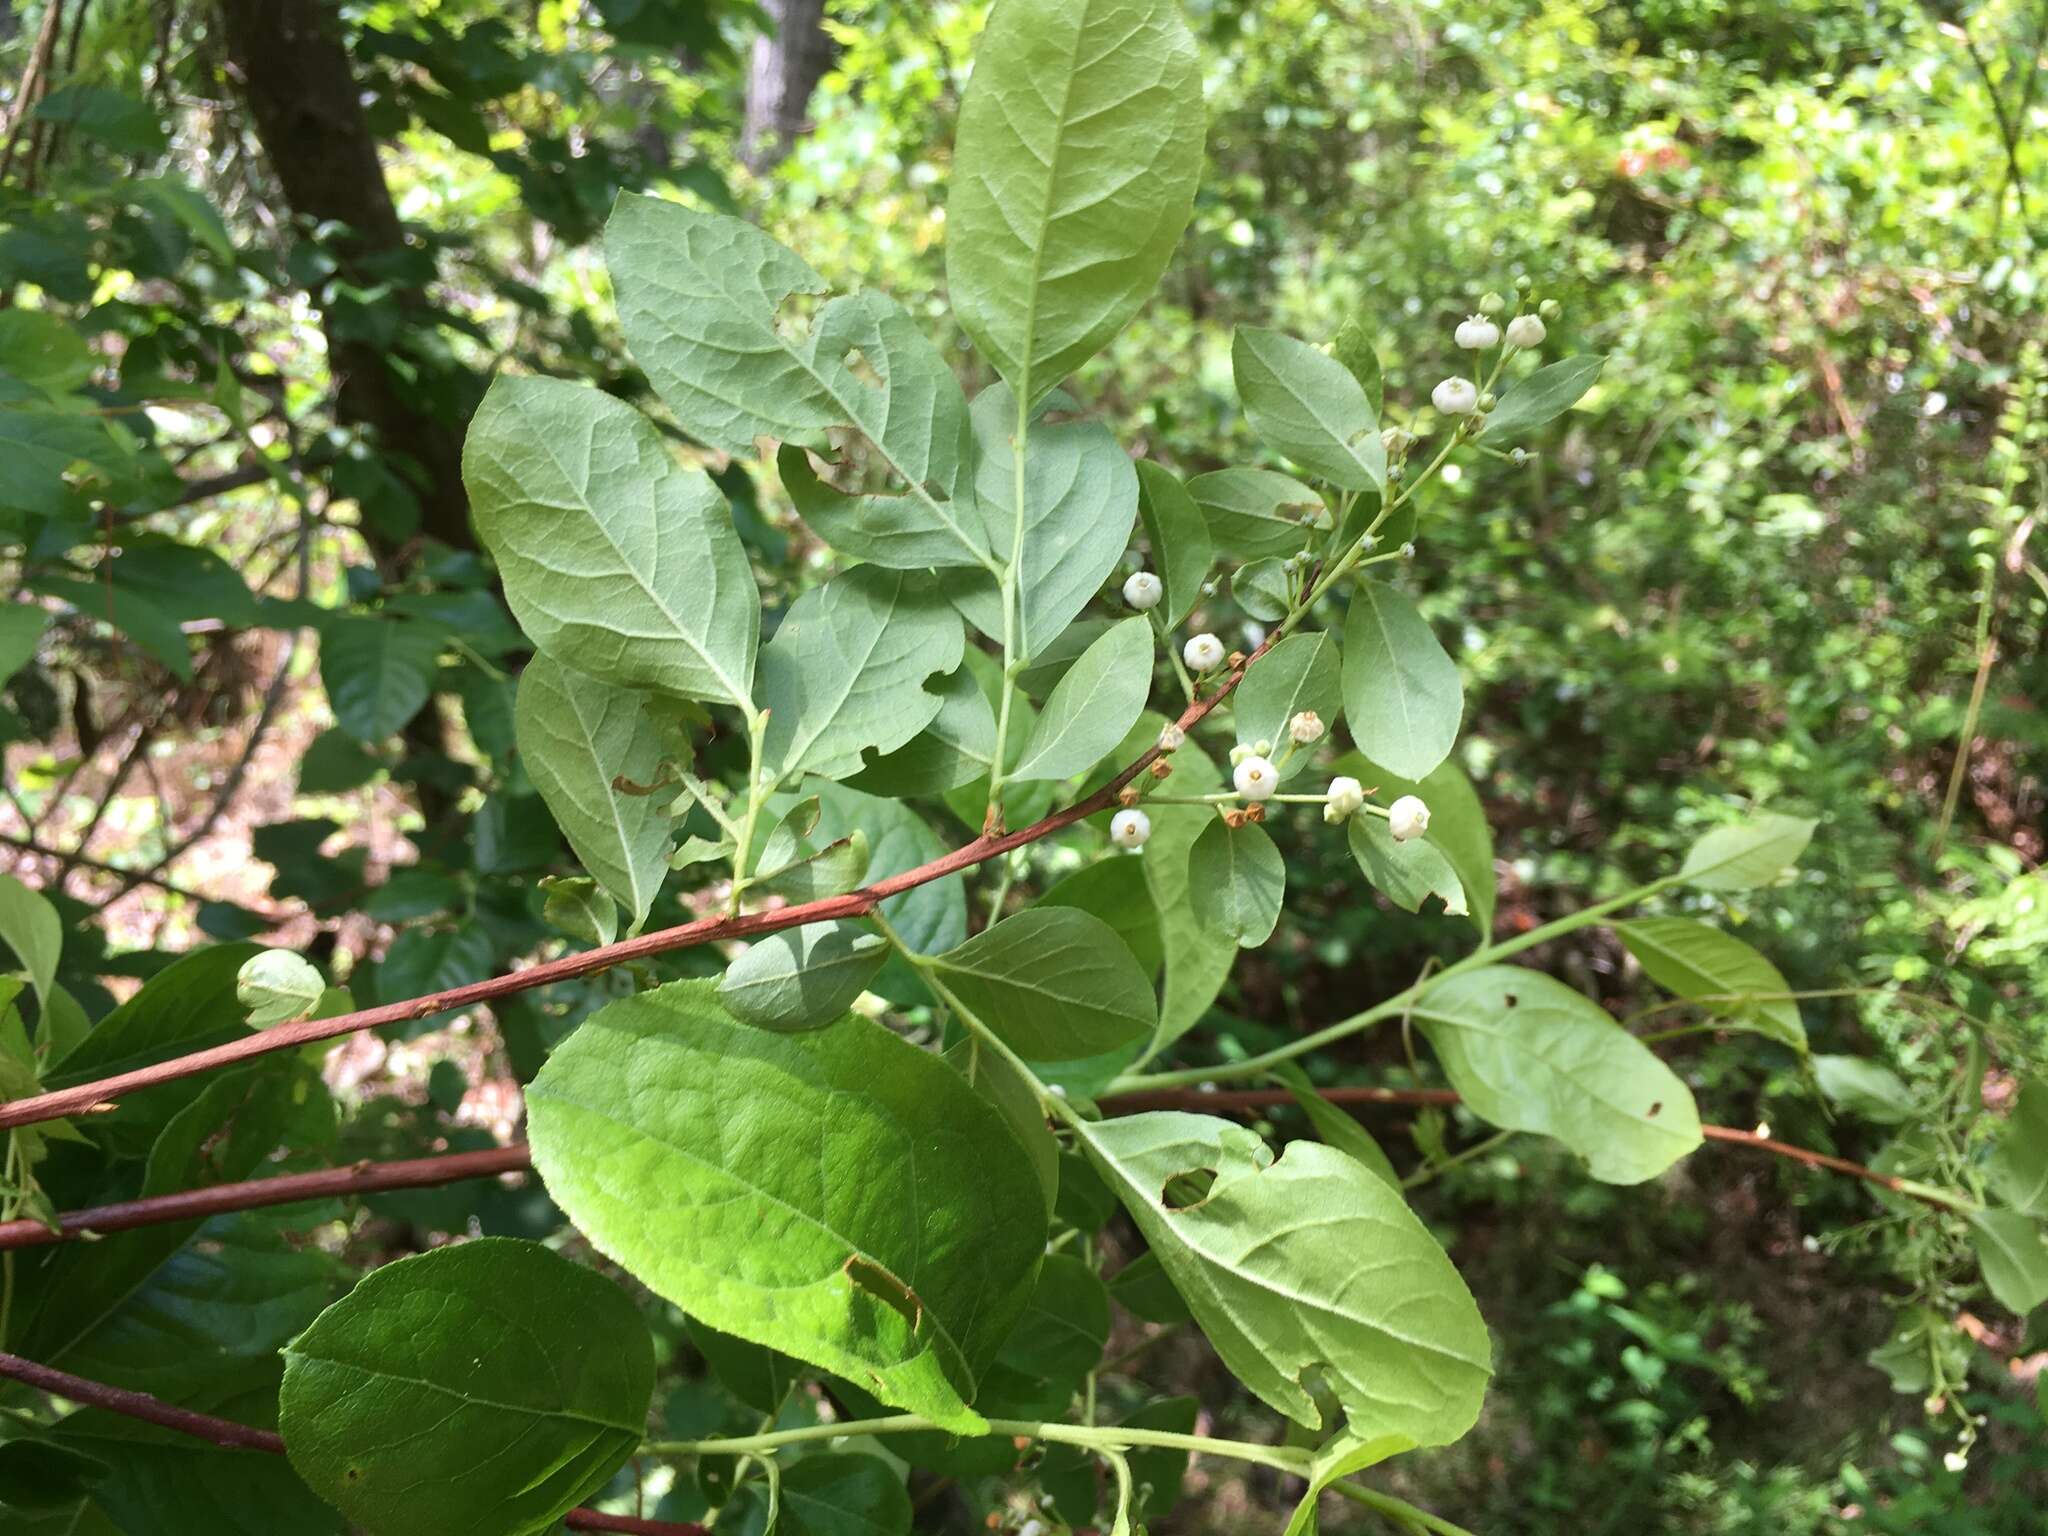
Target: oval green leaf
[(1056, 983), (1308, 1263), (1236, 881), (1308, 407), (1402, 694), (1695, 959), (841, 1196), (445, 1395), (1092, 706), (1528, 1053), (802, 978)]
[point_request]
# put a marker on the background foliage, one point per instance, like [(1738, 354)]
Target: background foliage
[(257, 673)]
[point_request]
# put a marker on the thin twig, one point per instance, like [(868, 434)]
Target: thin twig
[(242, 1437), (708, 930), (449, 1168), (364, 1178)]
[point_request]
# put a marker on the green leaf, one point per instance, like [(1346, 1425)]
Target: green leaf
[(802, 978), (1694, 959), (1093, 706), (831, 871), (894, 1241), (760, 1378), (1256, 514), (2013, 1255), (190, 207), (956, 748), (1299, 673), (701, 297), (579, 739), (187, 1006), (445, 1393), (1306, 1263), (1262, 589), (1864, 1087), (1056, 983), (1182, 550), (1236, 880), (36, 448), (21, 629), (845, 673), (1114, 890), (1353, 347), (120, 121), (2018, 1170), (1748, 854), (43, 350), (616, 560), (162, 1483), (1306, 406), (378, 672), (1334, 1127), (278, 986), (841, 1494), (578, 906), (1409, 873), (1528, 1053), (1402, 696), (1075, 163), (1547, 393), (212, 1317), (1457, 824), (1336, 1461), (1080, 504), (1062, 1333), (30, 927)]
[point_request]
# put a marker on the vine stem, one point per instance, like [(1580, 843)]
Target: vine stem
[(1109, 1437), (243, 1437), (86, 1097)]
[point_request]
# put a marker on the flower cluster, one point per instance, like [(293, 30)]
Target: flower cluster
[(1468, 398)]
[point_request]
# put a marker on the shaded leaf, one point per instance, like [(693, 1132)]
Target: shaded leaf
[(1182, 551), (802, 978), (1093, 706), (1747, 854), (1695, 959), (444, 1394), (1306, 406), (1545, 394), (1056, 983), (1236, 881)]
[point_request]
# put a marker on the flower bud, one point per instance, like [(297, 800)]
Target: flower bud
[(1455, 397), (1408, 550), (1129, 829), (1955, 1461), (1144, 590), (1396, 472), (1476, 334), (1550, 309), (1255, 778), (1262, 749), (1524, 283), (1492, 304), (1525, 331), (1240, 752), (1396, 439), (1343, 798), (1488, 401), (1172, 738), (1204, 653), (1306, 728), (1518, 456), (1407, 818)]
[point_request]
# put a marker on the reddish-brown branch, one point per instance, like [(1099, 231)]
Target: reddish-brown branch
[(450, 1168), (362, 1178), (708, 930), (242, 1437), (140, 1405), (1273, 1098)]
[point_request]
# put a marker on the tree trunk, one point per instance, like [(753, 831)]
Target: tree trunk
[(303, 97), (788, 62)]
